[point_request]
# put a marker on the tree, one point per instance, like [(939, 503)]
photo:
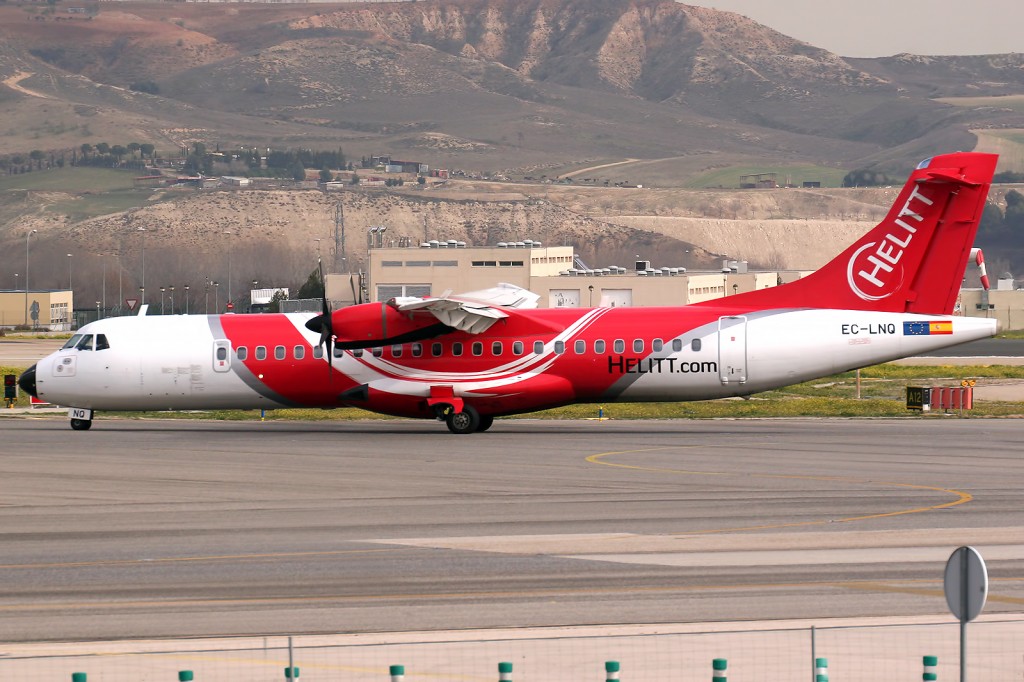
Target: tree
[(147, 150), (297, 171), (118, 151), (325, 175), (86, 150), (1013, 220), (103, 148), (133, 147), (314, 286), (275, 301), (37, 155)]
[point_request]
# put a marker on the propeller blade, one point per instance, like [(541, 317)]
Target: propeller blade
[(325, 324)]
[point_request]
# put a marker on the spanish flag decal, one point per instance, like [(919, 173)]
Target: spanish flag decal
[(927, 328)]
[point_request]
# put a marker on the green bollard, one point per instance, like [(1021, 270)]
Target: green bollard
[(930, 665), (821, 670), (718, 667), (185, 676), (291, 672), (505, 672), (397, 673), (611, 671), (78, 677)]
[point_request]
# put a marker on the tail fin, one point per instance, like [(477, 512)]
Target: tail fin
[(914, 260)]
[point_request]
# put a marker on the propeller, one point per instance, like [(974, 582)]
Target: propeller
[(322, 324)]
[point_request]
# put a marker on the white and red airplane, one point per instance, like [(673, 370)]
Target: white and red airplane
[(469, 359)]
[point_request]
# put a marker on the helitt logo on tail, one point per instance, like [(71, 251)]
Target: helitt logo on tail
[(874, 271)]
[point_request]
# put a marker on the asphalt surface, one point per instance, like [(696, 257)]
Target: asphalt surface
[(180, 528)]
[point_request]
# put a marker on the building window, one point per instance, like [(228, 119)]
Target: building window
[(510, 263), (417, 264), (446, 264), (391, 263), (485, 263)]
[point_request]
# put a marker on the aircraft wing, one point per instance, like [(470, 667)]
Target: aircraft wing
[(473, 312)]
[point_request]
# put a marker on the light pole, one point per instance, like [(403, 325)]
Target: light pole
[(216, 298), (229, 232), (97, 310), (254, 283), (162, 290), (172, 299), (15, 281), (142, 289), (186, 299), (28, 238), (142, 295), (69, 272), (206, 305)]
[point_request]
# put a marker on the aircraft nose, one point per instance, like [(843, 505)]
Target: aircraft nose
[(27, 381)]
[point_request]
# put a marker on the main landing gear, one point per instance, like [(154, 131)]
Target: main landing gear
[(467, 421)]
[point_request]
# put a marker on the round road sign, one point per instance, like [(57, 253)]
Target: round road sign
[(966, 583)]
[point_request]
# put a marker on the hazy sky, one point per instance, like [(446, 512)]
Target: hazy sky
[(880, 28)]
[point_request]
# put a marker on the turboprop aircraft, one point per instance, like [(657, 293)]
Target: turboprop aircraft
[(468, 359)]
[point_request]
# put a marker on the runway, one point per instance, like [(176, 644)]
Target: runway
[(186, 528)]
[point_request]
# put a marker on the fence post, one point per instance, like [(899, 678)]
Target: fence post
[(185, 676), (821, 670), (718, 667), (397, 673), (611, 671), (930, 665), (505, 672)]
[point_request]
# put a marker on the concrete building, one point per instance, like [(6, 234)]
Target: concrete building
[(36, 308)]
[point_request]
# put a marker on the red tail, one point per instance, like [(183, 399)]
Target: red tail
[(914, 260)]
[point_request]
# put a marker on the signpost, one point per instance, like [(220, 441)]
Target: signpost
[(966, 586), (131, 303)]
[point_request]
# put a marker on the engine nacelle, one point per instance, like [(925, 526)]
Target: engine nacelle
[(377, 324)]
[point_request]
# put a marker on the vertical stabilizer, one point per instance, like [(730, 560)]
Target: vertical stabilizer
[(914, 260)]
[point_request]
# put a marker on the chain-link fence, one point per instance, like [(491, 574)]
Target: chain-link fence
[(801, 652)]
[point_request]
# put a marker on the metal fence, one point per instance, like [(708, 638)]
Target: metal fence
[(799, 652)]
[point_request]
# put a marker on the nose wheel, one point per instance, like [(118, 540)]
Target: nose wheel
[(81, 424)]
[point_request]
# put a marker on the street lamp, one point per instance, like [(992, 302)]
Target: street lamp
[(186, 299), (15, 281), (172, 299), (69, 272), (142, 289), (216, 298), (229, 266), (162, 290), (142, 295), (28, 237), (206, 305)]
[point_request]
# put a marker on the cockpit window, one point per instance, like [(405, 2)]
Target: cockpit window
[(85, 343), (73, 341), (101, 342)]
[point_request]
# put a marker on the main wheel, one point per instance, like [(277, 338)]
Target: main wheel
[(486, 421), (81, 424), (466, 421)]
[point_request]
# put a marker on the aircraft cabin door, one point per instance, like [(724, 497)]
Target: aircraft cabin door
[(221, 355), (732, 349)]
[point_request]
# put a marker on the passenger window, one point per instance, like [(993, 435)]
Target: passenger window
[(457, 349), (657, 345), (517, 348), (478, 348), (357, 353), (396, 351), (580, 346), (436, 349), (619, 346), (299, 352), (559, 347), (695, 345), (85, 343), (318, 353), (73, 341), (599, 346), (339, 352), (101, 342), (497, 349), (222, 353), (638, 345), (377, 352), (279, 353), (242, 352), (417, 350), (538, 347), (677, 345), (261, 352)]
